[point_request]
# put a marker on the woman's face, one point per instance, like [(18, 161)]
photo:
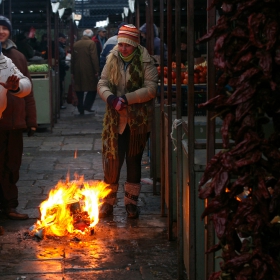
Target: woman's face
[(4, 33), (126, 49)]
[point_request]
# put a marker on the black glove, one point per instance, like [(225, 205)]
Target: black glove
[(30, 131), (125, 100), (117, 102)]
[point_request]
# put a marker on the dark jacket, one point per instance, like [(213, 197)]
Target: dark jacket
[(96, 40), (143, 29), (109, 45), (63, 67), (20, 112), (85, 64), (24, 47)]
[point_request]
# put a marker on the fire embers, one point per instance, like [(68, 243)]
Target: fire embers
[(72, 208)]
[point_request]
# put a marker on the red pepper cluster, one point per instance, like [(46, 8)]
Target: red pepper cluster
[(242, 181)]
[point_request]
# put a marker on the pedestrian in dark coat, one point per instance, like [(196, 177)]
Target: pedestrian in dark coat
[(19, 115), (100, 40), (85, 71)]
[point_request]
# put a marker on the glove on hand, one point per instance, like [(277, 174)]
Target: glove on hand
[(30, 131), (117, 102), (125, 99)]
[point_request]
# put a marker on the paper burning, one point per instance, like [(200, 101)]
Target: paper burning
[(71, 208)]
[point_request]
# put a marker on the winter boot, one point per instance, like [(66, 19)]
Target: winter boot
[(106, 208), (132, 192)]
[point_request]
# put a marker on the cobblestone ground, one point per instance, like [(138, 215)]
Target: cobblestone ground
[(118, 249)]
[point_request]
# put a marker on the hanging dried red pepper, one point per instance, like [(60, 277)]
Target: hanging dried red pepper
[(243, 181)]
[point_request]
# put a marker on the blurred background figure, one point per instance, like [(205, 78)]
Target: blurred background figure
[(108, 46), (184, 52), (85, 71), (23, 45), (143, 42), (63, 67), (43, 45), (100, 40)]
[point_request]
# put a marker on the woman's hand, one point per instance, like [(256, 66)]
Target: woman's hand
[(117, 102), (12, 83)]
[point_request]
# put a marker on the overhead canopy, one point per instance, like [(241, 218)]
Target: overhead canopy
[(24, 14)]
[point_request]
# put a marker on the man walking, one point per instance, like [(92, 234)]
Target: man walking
[(85, 71)]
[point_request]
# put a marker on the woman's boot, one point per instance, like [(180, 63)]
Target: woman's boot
[(132, 192), (106, 208)]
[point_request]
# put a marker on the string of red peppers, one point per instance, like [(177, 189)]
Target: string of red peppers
[(243, 180)]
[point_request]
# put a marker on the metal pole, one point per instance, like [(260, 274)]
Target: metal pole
[(179, 181), (137, 14), (169, 122), (210, 145), (50, 64), (191, 139), (56, 67), (162, 118)]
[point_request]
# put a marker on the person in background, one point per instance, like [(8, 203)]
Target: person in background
[(184, 51), (63, 67), (100, 39), (19, 115), (143, 32), (85, 71), (23, 46), (128, 85), (43, 45), (108, 46)]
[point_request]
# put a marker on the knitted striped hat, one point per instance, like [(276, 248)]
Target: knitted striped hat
[(129, 34)]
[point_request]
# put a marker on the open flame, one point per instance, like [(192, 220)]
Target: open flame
[(72, 207)]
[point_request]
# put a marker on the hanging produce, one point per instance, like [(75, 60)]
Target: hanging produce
[(242, 181)]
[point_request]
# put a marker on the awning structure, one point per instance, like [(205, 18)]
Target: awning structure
[(99, 10), (24, 14)]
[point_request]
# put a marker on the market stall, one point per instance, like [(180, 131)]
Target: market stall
[(40, 79)]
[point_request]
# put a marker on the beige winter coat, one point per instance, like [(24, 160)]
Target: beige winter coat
[(144, 94)]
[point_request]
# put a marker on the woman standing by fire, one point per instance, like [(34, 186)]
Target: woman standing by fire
[(128, 84)]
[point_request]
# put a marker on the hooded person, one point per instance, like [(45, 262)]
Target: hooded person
[(128, 85), (110, 43), (157, 41)]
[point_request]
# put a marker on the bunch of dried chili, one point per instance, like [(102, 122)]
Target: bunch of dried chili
[(243, 180)]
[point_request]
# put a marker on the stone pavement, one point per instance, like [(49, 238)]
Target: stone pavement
[(119, 249)]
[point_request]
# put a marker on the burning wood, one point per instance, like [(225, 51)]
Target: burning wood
[(72, 208)]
